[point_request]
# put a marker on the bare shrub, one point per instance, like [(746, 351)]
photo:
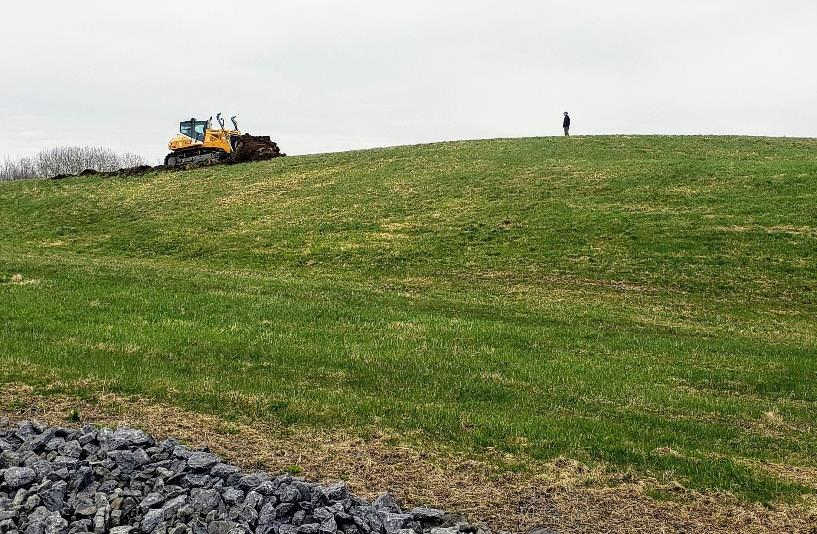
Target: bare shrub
[(18, 170), (67, 160)]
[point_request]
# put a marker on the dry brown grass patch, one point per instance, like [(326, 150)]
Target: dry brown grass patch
[(18, 279), (562, 494)]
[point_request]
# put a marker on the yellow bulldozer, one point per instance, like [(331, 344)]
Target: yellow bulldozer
[(198, 143)]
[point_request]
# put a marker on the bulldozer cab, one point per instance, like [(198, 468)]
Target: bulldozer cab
[(193, 129)]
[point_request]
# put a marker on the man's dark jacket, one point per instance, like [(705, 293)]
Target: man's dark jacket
[(566, 122)]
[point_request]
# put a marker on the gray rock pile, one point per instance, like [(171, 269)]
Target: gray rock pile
[(65, 481)]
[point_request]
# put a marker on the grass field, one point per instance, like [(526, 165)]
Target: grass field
[(647, 303)]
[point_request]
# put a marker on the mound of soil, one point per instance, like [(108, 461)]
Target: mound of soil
[(255, 148), (247, 148)]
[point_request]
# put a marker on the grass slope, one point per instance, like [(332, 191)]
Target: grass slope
[(648, 302)]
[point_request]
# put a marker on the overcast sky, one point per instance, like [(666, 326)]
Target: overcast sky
[(334, 75)]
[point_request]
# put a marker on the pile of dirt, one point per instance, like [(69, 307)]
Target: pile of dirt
[(255, 148), (129, 171), (247, 148)]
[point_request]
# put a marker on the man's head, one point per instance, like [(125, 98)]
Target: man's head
[(565, 113)]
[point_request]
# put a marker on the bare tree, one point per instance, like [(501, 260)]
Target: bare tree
[(67, 160), (130, 159), (18, 170)]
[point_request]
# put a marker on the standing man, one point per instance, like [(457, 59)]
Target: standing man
[(566, 124)]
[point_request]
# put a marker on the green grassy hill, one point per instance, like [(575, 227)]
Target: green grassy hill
[(606, 299)]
